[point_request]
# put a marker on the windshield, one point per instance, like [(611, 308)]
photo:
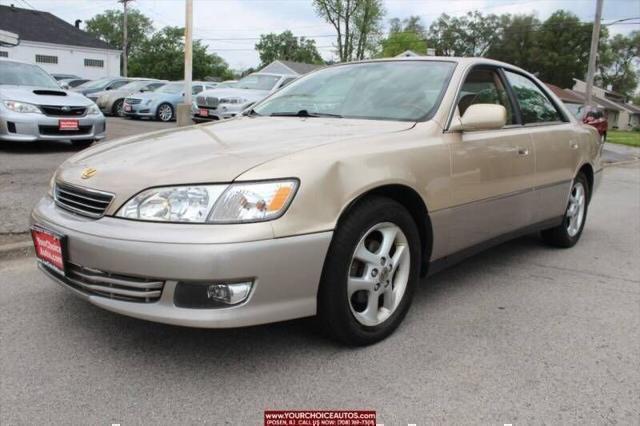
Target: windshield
[(172, 88), (18, 74), (95, 84), (395, 90), (257, 82), (134, 86)]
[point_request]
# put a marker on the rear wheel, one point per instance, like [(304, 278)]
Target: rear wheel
[(165, 112), (118, 108), (569, 231), (370, 273)]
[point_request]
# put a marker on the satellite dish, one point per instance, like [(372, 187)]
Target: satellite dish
[(9, 39)]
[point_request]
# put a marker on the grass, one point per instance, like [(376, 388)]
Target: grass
[(624, 138)]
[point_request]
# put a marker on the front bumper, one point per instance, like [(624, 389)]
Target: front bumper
[(286, 271), (140, 110), (221, 112), (27, 127)]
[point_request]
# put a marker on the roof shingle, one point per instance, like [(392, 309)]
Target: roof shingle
[(34, 25)]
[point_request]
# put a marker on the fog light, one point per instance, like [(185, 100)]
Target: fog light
[(230, 294), (199, 295)]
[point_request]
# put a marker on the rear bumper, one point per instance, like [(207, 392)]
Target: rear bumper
[(25, 127), (285, 271)]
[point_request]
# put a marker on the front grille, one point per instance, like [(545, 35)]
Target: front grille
[(209, 101), (133, 101), (63, 111), (55, 131), (85, 202), (113, 286)]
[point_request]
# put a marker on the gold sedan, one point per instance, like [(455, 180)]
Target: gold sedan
[(330, 198)]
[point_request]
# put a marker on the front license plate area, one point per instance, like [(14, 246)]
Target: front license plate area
[(49, 247), (204, 112), (68, 125)]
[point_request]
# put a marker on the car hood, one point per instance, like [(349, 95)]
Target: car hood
[(152, 95), (43, 96), (209, 153)]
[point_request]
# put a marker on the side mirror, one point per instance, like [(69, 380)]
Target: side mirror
[(481, 117)]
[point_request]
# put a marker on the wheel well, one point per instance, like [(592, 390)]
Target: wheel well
[(414, 204), (113, 107), (588, 172)]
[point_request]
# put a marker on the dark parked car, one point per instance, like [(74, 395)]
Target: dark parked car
[(597, 119)]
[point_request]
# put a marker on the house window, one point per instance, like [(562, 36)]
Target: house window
[(98, 63), (46, 59), (4, 54)]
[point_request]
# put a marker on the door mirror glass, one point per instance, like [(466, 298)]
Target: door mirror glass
[(481, 117)]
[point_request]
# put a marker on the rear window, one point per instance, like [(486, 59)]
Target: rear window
[(535, 106)]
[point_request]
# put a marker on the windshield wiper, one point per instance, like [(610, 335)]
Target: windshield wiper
[(251, 113), (304, 113)]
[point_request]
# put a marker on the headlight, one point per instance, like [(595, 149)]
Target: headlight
[(236, 203), (21, 107), (233, 101), (93, 110), (253, 202)]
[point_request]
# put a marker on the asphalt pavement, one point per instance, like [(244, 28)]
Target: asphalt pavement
[(26, 168), (520, 334)]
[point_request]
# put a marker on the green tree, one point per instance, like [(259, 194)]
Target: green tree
[(468, 35), (108, 27), (516, 41), (618, 63), (286, 46), (162, 56), (358, 24), (562, 49), (409, 34)]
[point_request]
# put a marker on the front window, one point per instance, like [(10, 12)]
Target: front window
[(95, 84), (484, 86), (18, 74), (393, 90), (134, 86), (258, 82)]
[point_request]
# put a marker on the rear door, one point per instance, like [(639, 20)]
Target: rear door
[(555, 143), (492, 171)]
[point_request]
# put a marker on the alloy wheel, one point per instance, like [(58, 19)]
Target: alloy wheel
[(165, 112), (575, 211), (378, 274)]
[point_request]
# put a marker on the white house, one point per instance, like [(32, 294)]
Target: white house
[(620, 114), (56, 45)]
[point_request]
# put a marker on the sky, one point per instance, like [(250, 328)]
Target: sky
[(231, 28)]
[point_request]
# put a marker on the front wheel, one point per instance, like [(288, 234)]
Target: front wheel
[(370, 273), (165, 112), (569, 231)]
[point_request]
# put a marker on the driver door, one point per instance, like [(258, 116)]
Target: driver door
[(493, 171)]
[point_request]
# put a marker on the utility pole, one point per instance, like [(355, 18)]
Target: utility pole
[(184, 110), (593, 55), (125, 52)]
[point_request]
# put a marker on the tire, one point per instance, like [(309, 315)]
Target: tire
[(569, 231), (82, 143), (368, 225), (165, 112), (117, 109)]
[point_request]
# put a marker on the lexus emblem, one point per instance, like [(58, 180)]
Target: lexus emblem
[(88, 172)]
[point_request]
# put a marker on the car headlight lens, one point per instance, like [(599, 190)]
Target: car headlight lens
[(235, 203), (233, 101), (17, 106), (93, 110), (253, 202)]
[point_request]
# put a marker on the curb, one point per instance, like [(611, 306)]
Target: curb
[(19, 249)]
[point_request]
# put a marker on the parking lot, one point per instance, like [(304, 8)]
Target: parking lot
[(520, 334), (26, 168)]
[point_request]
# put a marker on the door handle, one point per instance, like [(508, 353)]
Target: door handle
[(573, 145), (523, 151)]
